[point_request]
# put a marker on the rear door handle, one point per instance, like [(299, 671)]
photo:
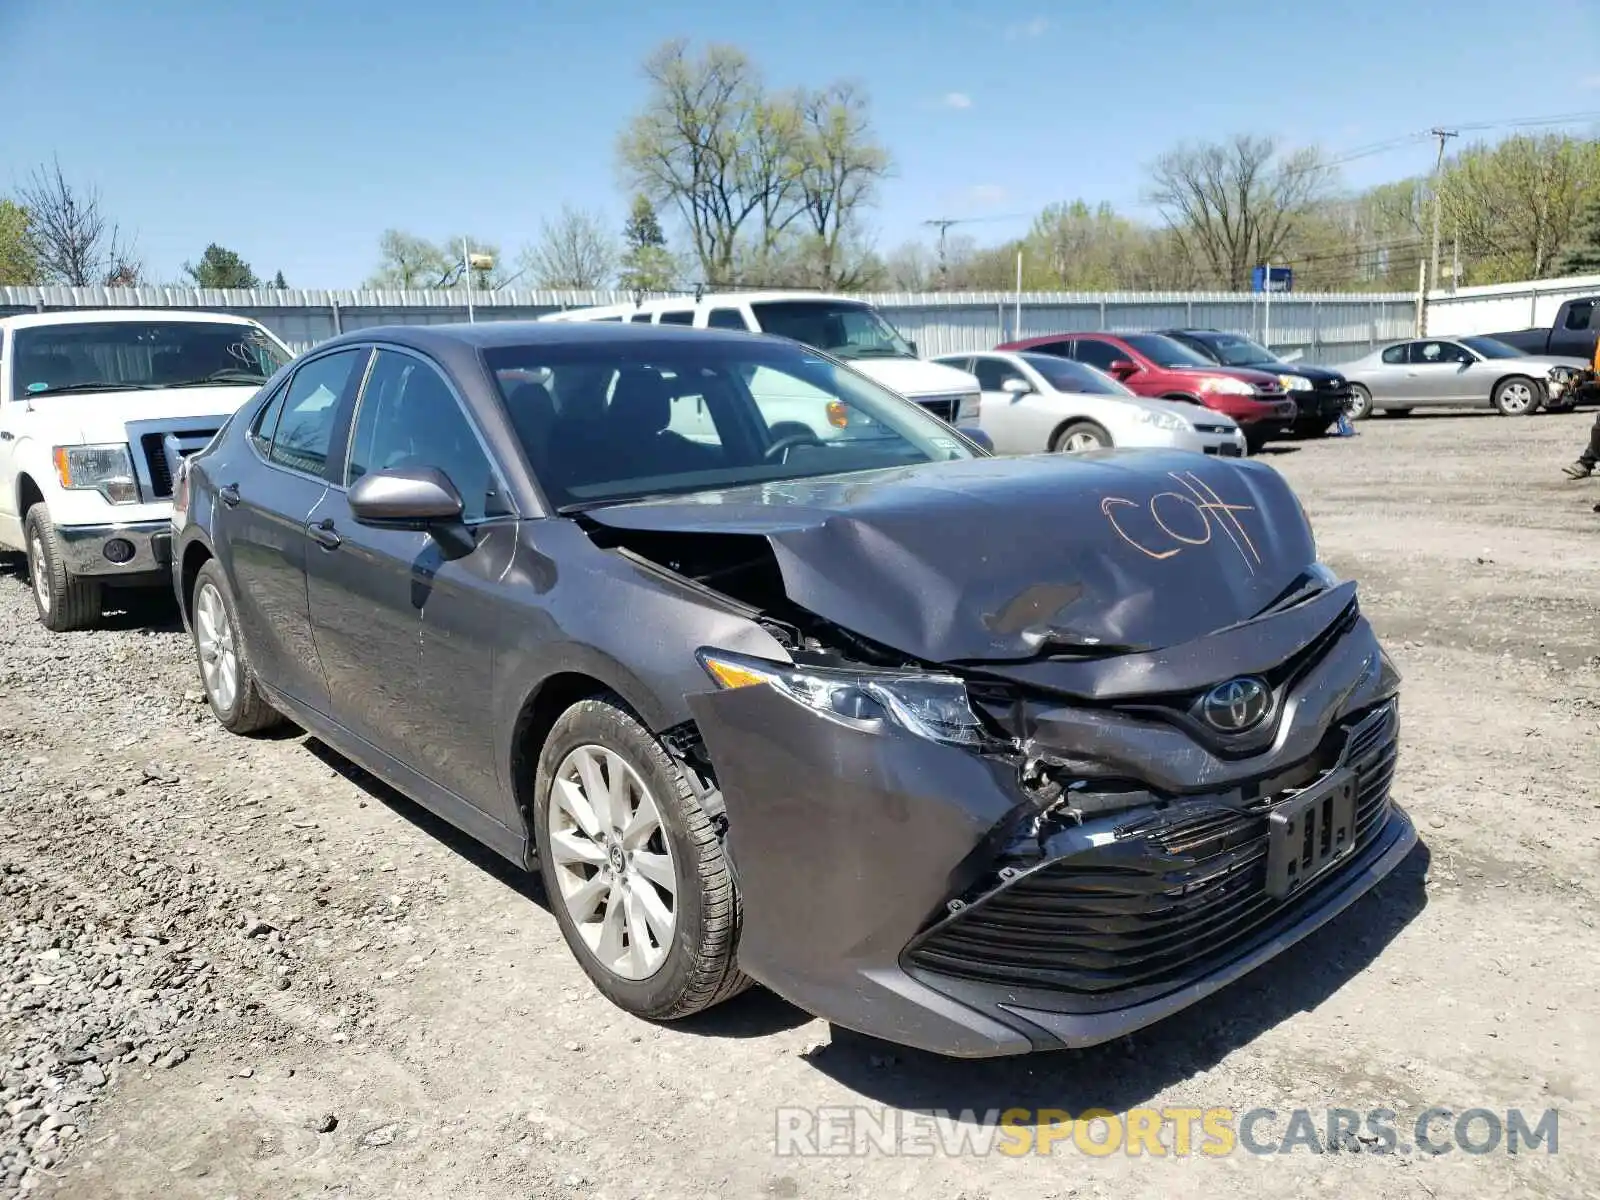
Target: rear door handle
[(228, 493), (324, 535)]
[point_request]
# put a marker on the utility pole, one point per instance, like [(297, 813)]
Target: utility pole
[(943, 224), (1444, 135)]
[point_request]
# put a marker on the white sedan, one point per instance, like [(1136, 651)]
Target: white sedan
[(1036, 402)]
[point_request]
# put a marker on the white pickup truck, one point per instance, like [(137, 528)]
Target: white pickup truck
[(97, 409)]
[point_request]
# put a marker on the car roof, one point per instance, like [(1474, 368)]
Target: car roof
[(484, 335), (100, 316)]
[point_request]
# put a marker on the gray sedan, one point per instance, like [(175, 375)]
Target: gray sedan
[(1466, 372)]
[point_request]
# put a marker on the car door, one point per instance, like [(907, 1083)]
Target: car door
[(1437, 372), (1389, 378), (265, 497), (1097, 352), (1002, 414), (405, 618)]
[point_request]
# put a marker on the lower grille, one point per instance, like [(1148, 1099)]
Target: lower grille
[(1163, 904)]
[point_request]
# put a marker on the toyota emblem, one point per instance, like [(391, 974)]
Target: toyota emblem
[(1237, 705)]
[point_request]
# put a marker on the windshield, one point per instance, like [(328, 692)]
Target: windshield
[(1067, 376), (134, 355), (843, 329), (1236, 351), (1492, 348), (619, 421), (1165, 352)]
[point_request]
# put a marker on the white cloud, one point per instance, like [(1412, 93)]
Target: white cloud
[(1027, 29), (957, 100)]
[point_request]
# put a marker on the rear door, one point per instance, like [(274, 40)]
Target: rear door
[(265, 498)]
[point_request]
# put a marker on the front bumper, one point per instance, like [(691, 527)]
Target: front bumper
[(921, 893), (94, 549), (1319, 409)]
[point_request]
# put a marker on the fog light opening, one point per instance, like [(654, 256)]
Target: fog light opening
[(118, 550)]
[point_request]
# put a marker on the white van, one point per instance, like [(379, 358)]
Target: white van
[(851, 330)]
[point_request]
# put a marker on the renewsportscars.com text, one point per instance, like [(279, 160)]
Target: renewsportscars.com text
[(1160, 1132)]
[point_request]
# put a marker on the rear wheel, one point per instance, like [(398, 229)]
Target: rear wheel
[(225, 670), (633, 867), (1516, 397), (65, 602), (1359, 406), (1081, 436)]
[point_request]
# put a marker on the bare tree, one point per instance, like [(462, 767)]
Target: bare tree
[(840, 168), (1234, 205), (410, 262), (573, 251), (1515, 206), (74, 242)]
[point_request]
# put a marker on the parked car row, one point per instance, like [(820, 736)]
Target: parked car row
[(1465, 372)]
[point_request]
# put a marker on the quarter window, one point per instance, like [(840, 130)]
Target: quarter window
[(409, 418), (261, 429), (1395, 355), (304, 431)]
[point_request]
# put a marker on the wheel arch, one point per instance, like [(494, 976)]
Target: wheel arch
[(195, 555), (1541, 394), (29, 493)]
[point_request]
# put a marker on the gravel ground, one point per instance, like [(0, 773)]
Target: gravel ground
[(242, 968)]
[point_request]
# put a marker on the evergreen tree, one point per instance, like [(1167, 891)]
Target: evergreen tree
[(1583, 256), (647, 264)]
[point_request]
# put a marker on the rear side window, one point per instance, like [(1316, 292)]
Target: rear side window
[(640, 318), (725, 318), (1059, 349), (1396, 355), (304, 431), (677, 318)]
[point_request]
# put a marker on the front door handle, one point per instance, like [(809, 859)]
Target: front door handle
[(324, 535), (228, 493)]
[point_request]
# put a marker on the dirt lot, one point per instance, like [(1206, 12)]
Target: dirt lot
[(238, 968)]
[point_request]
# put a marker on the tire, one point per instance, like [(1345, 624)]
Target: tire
[(1359, 406), (667, 973), (1087, 434), (228, 679), (1397, 412), (1517, 396), (65, 602)]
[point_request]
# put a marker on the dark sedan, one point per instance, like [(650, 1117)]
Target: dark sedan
[(980, 755), (1320, 393)]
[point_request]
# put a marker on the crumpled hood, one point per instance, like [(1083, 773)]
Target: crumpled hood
[(993, 559)]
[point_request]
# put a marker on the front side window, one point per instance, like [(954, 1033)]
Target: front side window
[(1165, 352), (1098, 354), (1492, 347), (1580, 314), (603, 423), (839, 327), (992, 373), (304, 432), (1439, 352), (408, 418), (125, 356)]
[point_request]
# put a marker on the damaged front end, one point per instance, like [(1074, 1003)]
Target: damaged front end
[(976, 863)]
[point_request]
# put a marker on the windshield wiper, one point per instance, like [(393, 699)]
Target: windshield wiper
[(221, 378), (67, 388)]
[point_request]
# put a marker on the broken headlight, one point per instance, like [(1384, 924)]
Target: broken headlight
[(935, 707)]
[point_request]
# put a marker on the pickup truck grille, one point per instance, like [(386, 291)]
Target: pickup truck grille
[(946, 408), (159, 452)]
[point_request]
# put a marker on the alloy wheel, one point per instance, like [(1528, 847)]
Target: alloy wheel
[(41, 573), (219, 655), (1516, 398), (1080, 441), (614, 868)]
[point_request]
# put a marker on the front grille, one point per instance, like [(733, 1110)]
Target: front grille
[(946, 408), (1168, 901), (159, 465)]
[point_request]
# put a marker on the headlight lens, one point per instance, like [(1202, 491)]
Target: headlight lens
[(1161, 420), (1227, 387), (934, 707), (1295, 383), (107, 469), (969, 405)]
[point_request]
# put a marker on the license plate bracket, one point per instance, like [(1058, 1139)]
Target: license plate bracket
[(1311, 832)]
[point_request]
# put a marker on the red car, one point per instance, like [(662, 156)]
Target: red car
[(1159, 367)]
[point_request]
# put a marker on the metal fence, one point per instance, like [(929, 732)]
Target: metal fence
[(1324, 328)]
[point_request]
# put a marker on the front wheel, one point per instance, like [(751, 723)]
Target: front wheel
[(633, 867), (1079, 437), (1516, 397), (65, 602), (1359, 406)]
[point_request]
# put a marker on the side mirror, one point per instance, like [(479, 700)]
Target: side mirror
[(417, 498), (1122, 368), (1016, 387), (973, 434)]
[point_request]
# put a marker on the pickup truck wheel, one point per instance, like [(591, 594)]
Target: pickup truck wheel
[(225, 671), (633, 867), (1359, 406), (1516, 397), (65, 602)]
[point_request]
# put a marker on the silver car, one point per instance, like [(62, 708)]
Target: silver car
[(1465, 372)]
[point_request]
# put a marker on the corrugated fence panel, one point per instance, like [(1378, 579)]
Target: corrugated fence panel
[(1328, 328)]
